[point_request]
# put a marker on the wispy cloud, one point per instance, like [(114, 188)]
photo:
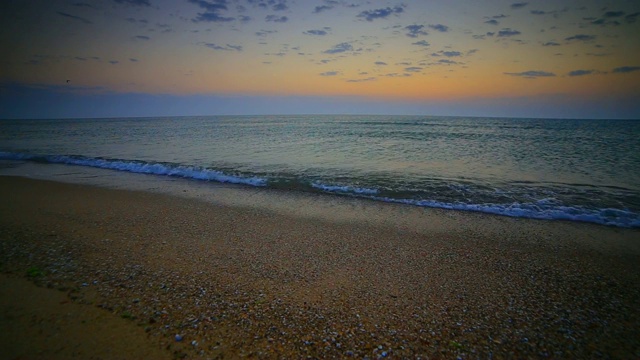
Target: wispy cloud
[(415, 30), (439, 27), (226, 47), (380, 63), (321, 8), (625, 69), (507, 32), (550, 43), (413, 69), (581, 37), (339, 48), (77, 18), (141, 37), (580, 72), (316, 32), (447, 53), (213, 11), (532, 74), (394, 75), (492, 22), (361, 80), (519, 5), (263, 33), (613, 14), (421, 43), (276, 18), (383, 13), (280, 5), (329, 73)]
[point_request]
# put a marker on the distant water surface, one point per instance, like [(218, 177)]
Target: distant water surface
[(580, 170)]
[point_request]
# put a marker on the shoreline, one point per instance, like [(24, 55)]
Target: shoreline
[(162, 183), (294, 281)]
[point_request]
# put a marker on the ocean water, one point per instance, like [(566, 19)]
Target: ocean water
[(578, 170)]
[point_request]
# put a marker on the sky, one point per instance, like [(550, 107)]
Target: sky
[(118, 58)]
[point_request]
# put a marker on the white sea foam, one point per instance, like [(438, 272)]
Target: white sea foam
[(140, 167), (547, 207), (344, 189)]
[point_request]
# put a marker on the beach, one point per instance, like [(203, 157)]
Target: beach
[(346, 278)]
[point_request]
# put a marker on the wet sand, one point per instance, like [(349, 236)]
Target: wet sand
[(355, 279)]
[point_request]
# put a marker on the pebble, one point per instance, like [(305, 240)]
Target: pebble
[(178, 337)]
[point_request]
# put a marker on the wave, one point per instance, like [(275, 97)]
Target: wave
[(346, 189), (190, 172), (458, 198), (543, 209)]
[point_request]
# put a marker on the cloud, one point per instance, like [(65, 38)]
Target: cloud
[(276, 18), (315, 32), (275, 5), (625, 69), (77, 18), (371, 15), (492, 22), (244, 18), (361, 80), (413, 69), (265, 32), (141, 37), (631, 18), (415, 30), (532, 74), (613, 14), (519, 5), (439, 27), (133, 60), (580, 72), (339, 48), (134, 2), (213, 10), (551, 43), (381, 63), (421, 43), (329, 4), (133, 20), (447, 61), (506, 32), (398, 75), (581, 37), (226, 47), (281, 5), (451, 53), (113, 62), (538, 12), (321, 8), (329, 73)]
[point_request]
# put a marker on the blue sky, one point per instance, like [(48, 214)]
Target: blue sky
[(105, 58)]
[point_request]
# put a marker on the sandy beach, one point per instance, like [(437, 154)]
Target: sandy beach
[(183, 278)]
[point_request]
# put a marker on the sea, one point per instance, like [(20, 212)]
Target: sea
[(553, 169)]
